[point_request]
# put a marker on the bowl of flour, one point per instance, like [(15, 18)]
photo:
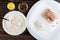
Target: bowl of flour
[(16, 23)]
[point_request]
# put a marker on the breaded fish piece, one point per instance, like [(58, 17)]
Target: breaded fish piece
[(49, 15)]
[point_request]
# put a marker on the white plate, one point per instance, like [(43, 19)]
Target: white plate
[(33, 15), (7, 24)]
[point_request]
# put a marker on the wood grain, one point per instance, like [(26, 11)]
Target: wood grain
[(4, 10)]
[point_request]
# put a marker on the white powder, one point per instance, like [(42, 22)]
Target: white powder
[(16, 24)]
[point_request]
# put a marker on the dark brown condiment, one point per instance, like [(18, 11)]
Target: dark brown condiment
[(23, 7)]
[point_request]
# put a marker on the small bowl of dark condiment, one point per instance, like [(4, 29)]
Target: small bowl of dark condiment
[(23, 7)]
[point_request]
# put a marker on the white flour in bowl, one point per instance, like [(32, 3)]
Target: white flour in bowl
[(16, 24)]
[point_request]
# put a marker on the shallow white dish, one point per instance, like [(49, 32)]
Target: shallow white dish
[(9, 28), (35, 11)]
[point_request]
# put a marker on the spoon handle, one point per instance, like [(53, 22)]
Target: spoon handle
[(3, 18)]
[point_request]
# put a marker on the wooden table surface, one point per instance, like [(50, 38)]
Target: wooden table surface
[(4, 10)]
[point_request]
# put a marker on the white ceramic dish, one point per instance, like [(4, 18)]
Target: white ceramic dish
[(7, 24), (33, 15)]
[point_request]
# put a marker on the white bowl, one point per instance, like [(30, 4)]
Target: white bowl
[(33, 15), (7, 25)]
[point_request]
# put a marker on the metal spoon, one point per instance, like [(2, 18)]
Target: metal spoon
[(3, 18)]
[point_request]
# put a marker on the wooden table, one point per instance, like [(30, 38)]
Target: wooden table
[(4, 10)]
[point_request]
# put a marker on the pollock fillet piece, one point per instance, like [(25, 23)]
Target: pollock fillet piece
[(49, 15)]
